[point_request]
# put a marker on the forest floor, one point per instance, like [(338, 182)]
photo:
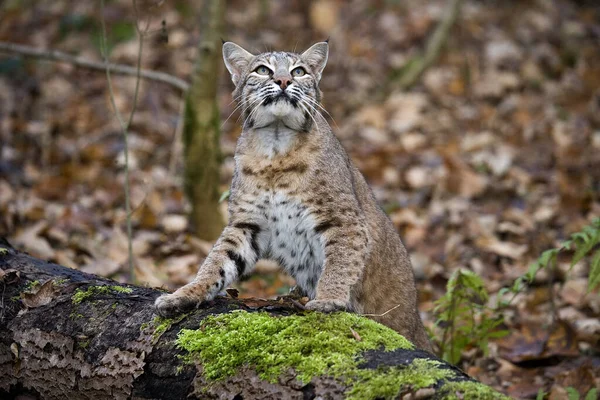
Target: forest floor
[(492, 158)]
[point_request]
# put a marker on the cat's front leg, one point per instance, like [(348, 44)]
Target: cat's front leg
[(345, 253), (234, 254)]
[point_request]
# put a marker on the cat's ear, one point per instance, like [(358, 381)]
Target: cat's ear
[(236, 60), (316, 57)]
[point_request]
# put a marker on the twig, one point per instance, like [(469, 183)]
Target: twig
[(297, 304), (176, 145), (120, 69), (381, 315), (124, 125), (415, 67)]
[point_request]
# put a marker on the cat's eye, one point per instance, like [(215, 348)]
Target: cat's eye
[(298, 71), (262, 70)]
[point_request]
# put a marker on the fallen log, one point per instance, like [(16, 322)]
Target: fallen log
[(65, 334)]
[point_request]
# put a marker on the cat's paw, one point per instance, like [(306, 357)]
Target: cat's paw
[(326, 306), (172, 305)]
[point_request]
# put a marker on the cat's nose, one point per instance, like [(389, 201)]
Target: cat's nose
[(283, 81)]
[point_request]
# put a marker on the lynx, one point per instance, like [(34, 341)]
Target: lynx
[(297, 198)]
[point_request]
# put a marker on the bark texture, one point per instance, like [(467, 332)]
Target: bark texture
[(75, 336), (202, 126)]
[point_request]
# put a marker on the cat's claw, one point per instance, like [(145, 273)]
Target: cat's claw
[(327, 306), (169, 305)]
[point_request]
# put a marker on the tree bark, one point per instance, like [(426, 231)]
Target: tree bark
[(57, 344), (201, 129)]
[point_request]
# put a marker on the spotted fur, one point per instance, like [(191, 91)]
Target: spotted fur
[(297, 198)]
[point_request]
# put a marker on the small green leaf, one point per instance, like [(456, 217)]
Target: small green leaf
[(499, 334), (224, 196), (572, 393), (592, 394), (594, 278), (540, 395), (581, 252)]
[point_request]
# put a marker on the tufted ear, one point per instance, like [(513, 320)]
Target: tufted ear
[(316, 57), (236, 60)]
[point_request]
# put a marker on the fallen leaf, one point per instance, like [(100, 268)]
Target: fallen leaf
[(580, 378), (31, 241), (174, 223), (40, 295), (324, 15), (407, 109), (574, 292), (534, 342), (9, 276), (505, 249), (588, 329), (356, 335), (461, 179)]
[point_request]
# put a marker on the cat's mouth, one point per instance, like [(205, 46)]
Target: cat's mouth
[(281, 96)]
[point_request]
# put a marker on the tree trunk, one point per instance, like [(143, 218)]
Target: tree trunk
[(65, 334), (201, 130)]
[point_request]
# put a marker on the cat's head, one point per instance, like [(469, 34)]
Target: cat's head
[(276, 86)]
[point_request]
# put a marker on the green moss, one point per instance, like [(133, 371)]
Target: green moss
[(60, 281), (386, 383), (75, 315), (312, 344), (160, 325), (121, 289), (3, 250), (81, 295), (31, 285), (470, 390)]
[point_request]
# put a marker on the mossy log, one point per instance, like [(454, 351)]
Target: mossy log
[(65, 334)]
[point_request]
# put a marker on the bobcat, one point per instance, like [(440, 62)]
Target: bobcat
[(297, 198)]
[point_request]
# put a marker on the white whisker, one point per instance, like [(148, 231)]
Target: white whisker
[(314, 102), (302, 103), (255, 109)]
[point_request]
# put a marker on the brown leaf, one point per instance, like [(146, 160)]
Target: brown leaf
[(324, 15), (233, 293), (534, 342), (9, 276), (40, 295), (356, 335), (578, 373), (31, 240), (505, 249), (257, 303), (462, 179)]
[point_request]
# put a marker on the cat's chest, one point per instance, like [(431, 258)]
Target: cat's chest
[(288, 221), (290, 238)]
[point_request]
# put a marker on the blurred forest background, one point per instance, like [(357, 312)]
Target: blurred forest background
[(492, 157)]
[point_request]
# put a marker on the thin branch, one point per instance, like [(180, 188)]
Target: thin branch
[(120, 69), (124, 127), (415, 67), (381, 315)]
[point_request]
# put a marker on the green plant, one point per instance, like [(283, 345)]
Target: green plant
[(464, 316), (574, 394), (582, 243)]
